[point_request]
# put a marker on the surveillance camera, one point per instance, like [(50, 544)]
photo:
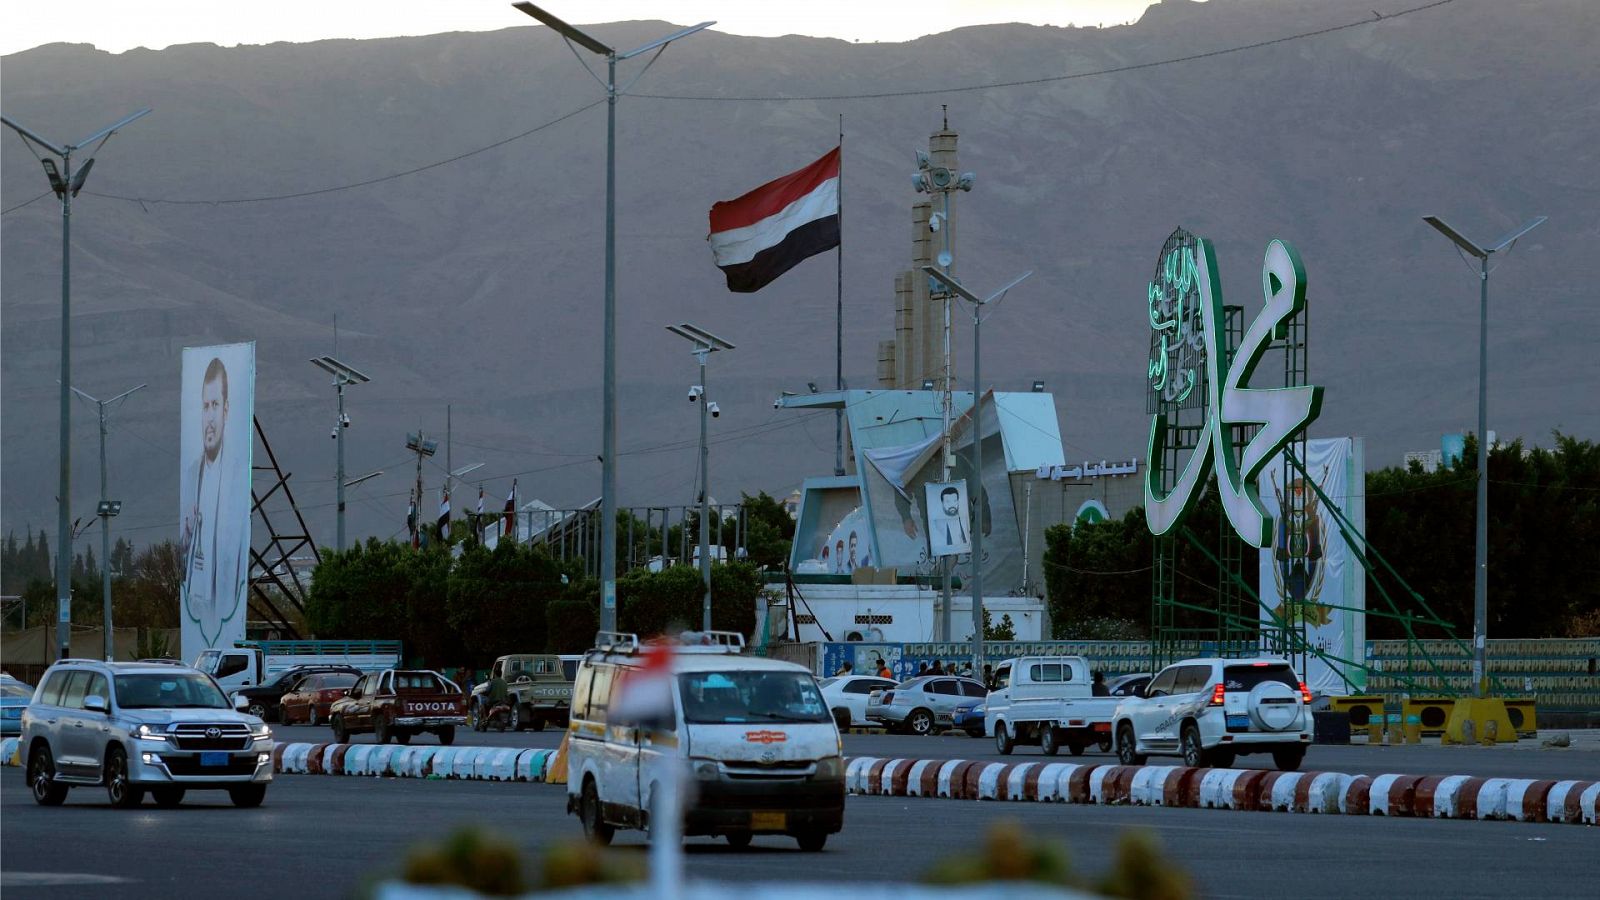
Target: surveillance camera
[(920, 182), (713, 409), (922, 159), (695, 391), (934, 221), (345, 421), (966, 180), (778, 403), (334, 434)]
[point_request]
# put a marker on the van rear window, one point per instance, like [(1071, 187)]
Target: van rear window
[(1244, 678)]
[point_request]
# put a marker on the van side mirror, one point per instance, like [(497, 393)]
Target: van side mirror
[(96, 703)]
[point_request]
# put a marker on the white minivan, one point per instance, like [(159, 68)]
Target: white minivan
[(762, 752)]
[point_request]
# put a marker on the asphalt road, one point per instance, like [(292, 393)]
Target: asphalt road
[(1523, 760), (327, 837)]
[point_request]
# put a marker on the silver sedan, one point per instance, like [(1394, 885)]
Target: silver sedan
[(920, 704)]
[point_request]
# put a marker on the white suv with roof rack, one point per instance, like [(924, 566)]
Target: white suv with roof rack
[(759, 745), (138, 727), (1209, 711)]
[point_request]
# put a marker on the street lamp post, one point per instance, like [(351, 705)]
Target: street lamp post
[(66, 184), (608, 451), (975, 492), (342, 375), (705, 344), (105, 510), (1480, 581)]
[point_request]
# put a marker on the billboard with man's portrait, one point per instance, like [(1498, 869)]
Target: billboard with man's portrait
[(218, 408)]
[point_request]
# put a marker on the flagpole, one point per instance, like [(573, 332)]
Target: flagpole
[(838, 321)]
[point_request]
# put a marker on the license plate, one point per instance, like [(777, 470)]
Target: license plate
[(213, 758), (1238, 721), (769, 821)]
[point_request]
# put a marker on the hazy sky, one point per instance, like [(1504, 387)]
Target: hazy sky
[(118, 25)]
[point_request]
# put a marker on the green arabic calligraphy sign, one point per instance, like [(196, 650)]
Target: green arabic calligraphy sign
[(1189, 369)]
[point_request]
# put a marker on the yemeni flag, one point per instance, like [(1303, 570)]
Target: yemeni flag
[(510, 526), (770, 230), (444, 516), (411, 518)]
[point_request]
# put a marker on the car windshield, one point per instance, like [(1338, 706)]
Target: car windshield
[(1244, 678), (826, 681), (739, 698), (169, 690), (15, 689)]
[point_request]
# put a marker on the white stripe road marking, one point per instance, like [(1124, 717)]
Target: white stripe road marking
[(740, 245)]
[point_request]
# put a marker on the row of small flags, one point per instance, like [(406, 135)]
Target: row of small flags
[(419, 536)]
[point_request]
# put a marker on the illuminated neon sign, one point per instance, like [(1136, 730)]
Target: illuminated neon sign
[(1190, 377)]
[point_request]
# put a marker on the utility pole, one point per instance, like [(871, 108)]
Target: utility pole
[(342, 375), (418, 443), (705, 344), (105, 510), (975, 492), (66, 183)]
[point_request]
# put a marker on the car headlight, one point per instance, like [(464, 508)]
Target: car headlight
[(830, 768), (261, 734), (148, 733)]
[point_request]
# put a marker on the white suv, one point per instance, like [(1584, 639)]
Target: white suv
[(137, 727), (1210, 710)]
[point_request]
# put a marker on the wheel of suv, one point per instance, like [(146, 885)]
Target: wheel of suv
[(594, 827), (1194, 755), (1289, 758), (447, 735), (341, 735), (381, 730), (1127, 747), (247, 796), (1049, 741), (1003, 741), (920, 721), (1221, 758), (167, 798), (120, 790), (42, 778)]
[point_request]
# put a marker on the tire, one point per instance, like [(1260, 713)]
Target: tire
[(1076, 748), (447, 735), (402, 737), (1127, 746), (247, 796), (1288, 759), (1050, 742), (1105, 745), (167, 798), (517, 722), (812, 841), (841, 718), (738, 840), (122, 792), (311, 714), (382, 730), (920, 722), (1194, 755), (594, 827), (535, 722), (1222, 759), (475, 717), (341, 735), (257, 709), (1003, 742), (42, 778)]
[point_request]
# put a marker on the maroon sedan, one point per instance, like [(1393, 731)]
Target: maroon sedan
[(310, 699)]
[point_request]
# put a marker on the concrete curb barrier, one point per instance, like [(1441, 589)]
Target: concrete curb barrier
[(1326, 793), (11, 751), (464, 763)]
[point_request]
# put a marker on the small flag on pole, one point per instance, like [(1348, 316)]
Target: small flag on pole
[(411, 518), (765, 233), (444, 516), (510, 527)]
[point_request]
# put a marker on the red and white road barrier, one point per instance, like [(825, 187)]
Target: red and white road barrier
[(1327, 793), (475, 763)]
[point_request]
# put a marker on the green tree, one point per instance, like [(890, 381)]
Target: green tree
[(769, 531)]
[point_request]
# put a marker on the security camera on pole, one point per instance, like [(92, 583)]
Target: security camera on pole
[(705, 344), (105, 510)]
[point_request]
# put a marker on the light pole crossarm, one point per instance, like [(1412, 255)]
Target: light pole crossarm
[(30, 135)]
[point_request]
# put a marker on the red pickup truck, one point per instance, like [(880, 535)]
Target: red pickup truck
[(398, 703)]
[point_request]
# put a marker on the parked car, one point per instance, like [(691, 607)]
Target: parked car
[(752, 734), (14, 698), (254, 663), (264, 699), (1128, 685), (538, 691), (919, 705), (136, 728), (1047, 700), (1211, 710), (846, 696), (313, 696), (396, 704), (969, 718)]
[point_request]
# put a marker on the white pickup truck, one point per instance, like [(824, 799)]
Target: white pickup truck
[(1049, 701)]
